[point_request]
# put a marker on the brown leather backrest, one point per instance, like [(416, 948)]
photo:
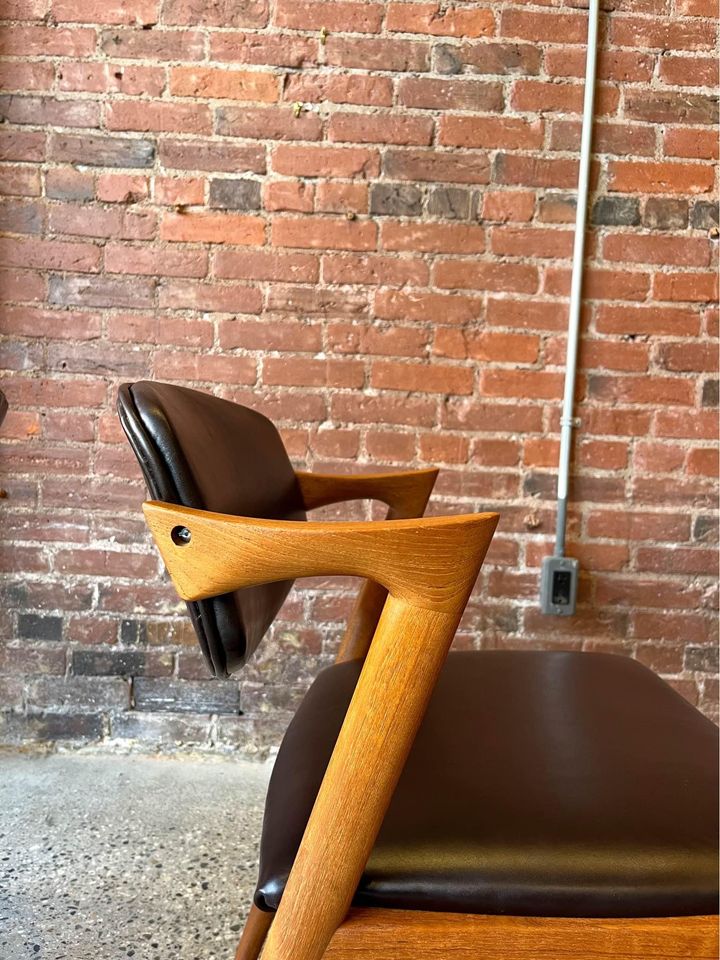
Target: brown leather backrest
[(200, 451)]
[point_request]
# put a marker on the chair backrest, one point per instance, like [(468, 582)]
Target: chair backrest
[(200, 451)]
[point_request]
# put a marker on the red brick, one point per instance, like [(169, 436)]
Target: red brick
[(97, 221), (50, 255), (432, 94), (289, 337), (250, 85), (688, 287), (20, 182), (531, 242), (390, 446), (29, 41), (364, 54), (163, 117), (666, 106), (432, 307), (324, 233), (600, 283), (268, 123), (316, 300), (535, 171), (422, 378), (702, 424), (335, 15), (373, 270), (538, 384), (396, 341), (34, 75), (539, 96), (508, 206), (629, 389), (94, 77), (432, 238), (210, 297), (31, 321), (690, 142), (261, 265), (213, 228), (325, 161), (689, 357), (283, 50), (428, 18), (160, 45), (356, 88), (379, 128), (121, 188), (130, 12), (444, 448), (647, 320), (491, 132), (622, 66), (178, 191), (204, 369), (543, 26), (523, 314), (503, 347), (703, 462), (299, 372), (683, 178), (211, 155), (618, 138), (477, 275), (341, 197), (635, 248), (122, 258), (669, 34), (294, 195), (496, 453), (216, 13), (692, 71), (677, 560)]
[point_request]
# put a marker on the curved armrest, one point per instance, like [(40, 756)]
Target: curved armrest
[(406, 492), (431, 562)]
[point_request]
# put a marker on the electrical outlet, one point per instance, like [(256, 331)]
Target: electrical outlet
[(558, 586)]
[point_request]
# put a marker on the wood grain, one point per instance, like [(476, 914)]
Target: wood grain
[(254, 934), (431, 562), (406, 492), (413, 935), (406, 495)]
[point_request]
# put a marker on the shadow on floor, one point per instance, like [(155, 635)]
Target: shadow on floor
[(108, 857)]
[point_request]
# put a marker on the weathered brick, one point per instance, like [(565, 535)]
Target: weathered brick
[(662, 213), (704, 215), (99, 151), (616, 212), (216, 13), (395, 200), (186, 696), (235, 194), (120, 663), (33, 626)]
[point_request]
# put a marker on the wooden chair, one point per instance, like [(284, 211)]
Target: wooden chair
[(482, 805)]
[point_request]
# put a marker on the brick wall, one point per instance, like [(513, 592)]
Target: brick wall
[(358, 218)]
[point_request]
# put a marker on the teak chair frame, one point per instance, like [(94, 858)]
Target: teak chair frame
[(419, 573)]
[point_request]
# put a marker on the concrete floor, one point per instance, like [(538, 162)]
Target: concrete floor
[(108, 857)]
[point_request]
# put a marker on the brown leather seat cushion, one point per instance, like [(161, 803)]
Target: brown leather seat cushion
[(540, 784)]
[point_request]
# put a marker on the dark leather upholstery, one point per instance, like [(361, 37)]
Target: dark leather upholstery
[(204, 452), (540, 784)]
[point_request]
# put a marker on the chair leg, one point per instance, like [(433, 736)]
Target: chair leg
[(254, 933)]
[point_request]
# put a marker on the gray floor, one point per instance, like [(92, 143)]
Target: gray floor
[(107, 857)]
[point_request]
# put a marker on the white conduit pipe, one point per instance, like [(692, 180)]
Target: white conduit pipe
[(566, 420)]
